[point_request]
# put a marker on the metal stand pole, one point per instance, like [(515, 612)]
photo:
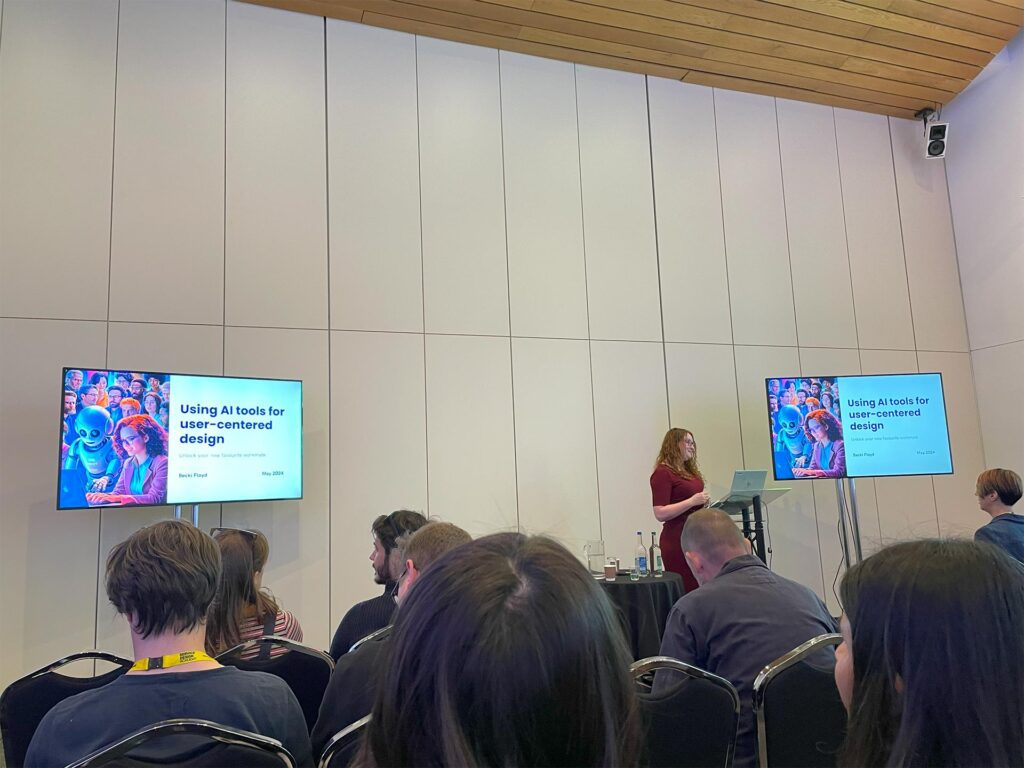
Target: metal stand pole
[(855, 519), (844, 540), (177, 511)]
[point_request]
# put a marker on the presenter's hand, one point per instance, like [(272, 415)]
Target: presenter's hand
[(699, 499)]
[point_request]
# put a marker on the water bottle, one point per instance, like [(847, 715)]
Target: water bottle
[(639, 559), (657, 564)]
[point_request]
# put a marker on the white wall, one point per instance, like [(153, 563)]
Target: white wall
[(501, 278), (985, 163)]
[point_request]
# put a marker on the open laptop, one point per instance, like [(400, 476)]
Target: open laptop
[(745, 483)]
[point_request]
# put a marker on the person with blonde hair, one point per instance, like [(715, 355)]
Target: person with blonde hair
[(677, 490), (997, 491)]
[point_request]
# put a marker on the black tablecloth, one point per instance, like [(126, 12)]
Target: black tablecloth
[(643, 607)]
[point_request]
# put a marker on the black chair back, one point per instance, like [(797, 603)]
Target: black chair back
[(801, 721), (343, 747), (306, 670), (693, 722), (193, 743), (26, 701)]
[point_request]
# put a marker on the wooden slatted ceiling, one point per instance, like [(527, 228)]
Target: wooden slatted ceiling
[(892, 57)]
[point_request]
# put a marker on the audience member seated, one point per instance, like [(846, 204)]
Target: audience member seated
[(505, 652), (997, 491), (371, 615), (931, 669), (243, 610), (354, 682), (162, 579), (742, 617)]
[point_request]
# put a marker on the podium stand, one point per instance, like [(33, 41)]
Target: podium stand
[(740, 504)]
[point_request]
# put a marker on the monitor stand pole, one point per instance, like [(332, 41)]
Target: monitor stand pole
[(849, 558), (195, 514)]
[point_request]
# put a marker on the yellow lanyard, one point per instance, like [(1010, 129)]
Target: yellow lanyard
[(173, 660)]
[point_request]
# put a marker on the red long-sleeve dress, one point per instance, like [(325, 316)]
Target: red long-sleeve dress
[(667, 488)]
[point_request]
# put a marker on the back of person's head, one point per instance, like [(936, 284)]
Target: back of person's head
[(164, 577), (434, 539), (244, 554), (388, 529), (938, 669), (713, 535), (506, 652), (1005, 483)]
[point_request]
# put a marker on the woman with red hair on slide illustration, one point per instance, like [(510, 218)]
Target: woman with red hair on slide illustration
[(142, 443), (828, 456)]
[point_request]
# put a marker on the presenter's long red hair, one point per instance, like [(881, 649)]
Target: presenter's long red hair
[(672, 457)]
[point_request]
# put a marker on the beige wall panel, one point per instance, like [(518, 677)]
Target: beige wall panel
[(546, 265), (556, 461), (838, 362), (955, 502), (299, 531), (47, 558), (144, 347), (276, 238), (631, 418), (755, 219), (985, 171), (874, 238), (703, 399), (618, 210), (471, 465), (932, 272), (465, 269), (56, 141), (906, 505), (822, 288), (373, 171), (168, 220), (793, 529), (378, 450), (688, 200), (999, 380)]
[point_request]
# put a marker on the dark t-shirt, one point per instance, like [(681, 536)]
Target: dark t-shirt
[(351, 691), (252, 701), (363, 619)]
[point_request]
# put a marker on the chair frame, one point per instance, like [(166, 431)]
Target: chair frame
[(774, 669), (338, 740), (187, 726), (639, 668), (377, 633), (93, 655), (291, 645)]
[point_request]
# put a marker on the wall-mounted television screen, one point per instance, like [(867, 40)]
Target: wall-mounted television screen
[(858, 426), (130, 438)]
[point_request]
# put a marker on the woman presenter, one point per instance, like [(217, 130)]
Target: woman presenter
[(677, 489)]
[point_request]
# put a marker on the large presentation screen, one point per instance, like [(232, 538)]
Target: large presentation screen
[(858, 426), (140, 439)]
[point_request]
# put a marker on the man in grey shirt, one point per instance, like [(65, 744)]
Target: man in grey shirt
[(741, 618)]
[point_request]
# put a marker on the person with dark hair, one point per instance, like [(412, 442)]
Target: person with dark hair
[(368, 616), (356, 677), (137, 388), (931, 669), (828, 452), (114, 395), (506, 652), (151, 405), (99, 380), (142, 444), (743, 617), (677, 489), (162, 579), (997, 491), (243, 610)]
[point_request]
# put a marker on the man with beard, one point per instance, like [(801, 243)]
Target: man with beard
[(370, 615)]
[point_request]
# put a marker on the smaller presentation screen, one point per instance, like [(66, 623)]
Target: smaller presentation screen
[(141, 439), (858, 426)]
